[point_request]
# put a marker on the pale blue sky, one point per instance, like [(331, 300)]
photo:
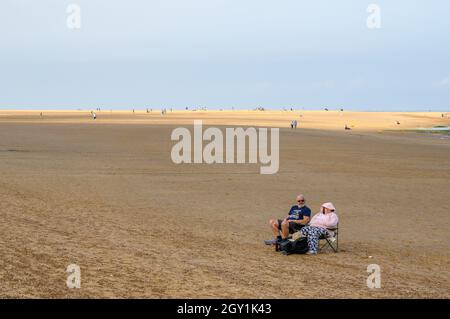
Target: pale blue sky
[(224, 53)]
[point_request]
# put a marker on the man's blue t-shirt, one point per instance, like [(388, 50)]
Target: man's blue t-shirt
[(297, 213)]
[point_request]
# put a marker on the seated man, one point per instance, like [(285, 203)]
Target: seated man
[(298, 217)]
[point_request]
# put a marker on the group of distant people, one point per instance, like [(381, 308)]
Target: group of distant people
[(94, 114), (299, 220), (294, 125)]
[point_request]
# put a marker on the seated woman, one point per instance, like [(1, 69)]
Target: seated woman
[(326, 218)]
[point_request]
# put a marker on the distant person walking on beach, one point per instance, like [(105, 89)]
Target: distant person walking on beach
[(94, 115), (326, 218)]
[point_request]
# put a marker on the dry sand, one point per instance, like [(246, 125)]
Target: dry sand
[(105, 195), (331, 120)]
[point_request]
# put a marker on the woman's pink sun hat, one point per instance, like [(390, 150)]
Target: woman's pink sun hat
[(329, 206)]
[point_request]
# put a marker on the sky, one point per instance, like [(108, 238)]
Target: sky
[(225, 53)]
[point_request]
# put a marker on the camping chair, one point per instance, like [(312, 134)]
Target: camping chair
[(331, 239)]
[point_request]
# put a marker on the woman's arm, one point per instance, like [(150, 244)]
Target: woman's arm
[(331, 221)]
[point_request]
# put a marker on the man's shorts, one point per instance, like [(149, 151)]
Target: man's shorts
[(293, 227)]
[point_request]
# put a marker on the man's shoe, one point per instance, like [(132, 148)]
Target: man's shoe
[(311, 252), (270, 242)]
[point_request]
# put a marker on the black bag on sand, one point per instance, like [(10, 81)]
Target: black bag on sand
[(299, 246)]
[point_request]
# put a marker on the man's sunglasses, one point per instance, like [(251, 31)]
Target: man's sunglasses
[(301, 200)]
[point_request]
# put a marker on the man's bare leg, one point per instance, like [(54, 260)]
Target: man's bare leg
[(273, 223), (284, 229), (274, 226)]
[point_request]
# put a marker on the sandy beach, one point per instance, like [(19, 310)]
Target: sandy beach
[(330, 120), (106, 196)]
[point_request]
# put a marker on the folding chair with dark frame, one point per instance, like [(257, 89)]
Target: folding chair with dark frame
[(331, 239)]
